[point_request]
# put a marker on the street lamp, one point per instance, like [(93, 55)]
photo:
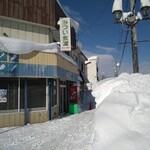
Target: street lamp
[(145, 7), (116, 69), (119, 15), (131, 18), (117, 10)]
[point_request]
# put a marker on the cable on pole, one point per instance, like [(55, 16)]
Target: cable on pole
[(120, 63)]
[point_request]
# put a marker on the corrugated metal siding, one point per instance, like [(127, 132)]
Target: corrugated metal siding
[(24, 31), (63, 63), (52, 59), (38, 11), (39, 58), (17, 119)]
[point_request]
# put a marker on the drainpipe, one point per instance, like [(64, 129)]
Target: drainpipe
[(49, 100), (18, 95), (25, 101)]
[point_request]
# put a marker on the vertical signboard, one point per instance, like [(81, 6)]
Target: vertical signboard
[(73, 94), (65, 34)]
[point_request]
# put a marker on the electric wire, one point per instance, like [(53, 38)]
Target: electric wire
[(93, 23), (134, 6), (100, 14), (142, 41), (120, 39), (120, 63)]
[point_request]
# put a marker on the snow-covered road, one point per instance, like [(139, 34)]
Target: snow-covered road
[(73, 132)]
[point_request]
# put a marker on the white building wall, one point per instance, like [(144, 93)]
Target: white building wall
[(92, 71)]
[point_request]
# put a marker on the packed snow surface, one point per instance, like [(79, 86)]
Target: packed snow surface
[(69, 133), (121, 121)]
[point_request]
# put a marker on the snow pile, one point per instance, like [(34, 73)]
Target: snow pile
[(122, 118)]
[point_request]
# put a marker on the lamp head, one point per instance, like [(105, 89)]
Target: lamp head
[(145, 7), (117, 16), (145, 11), (117, 10)]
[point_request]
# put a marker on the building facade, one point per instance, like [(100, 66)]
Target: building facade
[(92, 71), (34, 86)]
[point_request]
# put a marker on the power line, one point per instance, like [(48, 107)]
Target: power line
[(100, 14), (122, 30), (120, 63), (142, 41), (134, 6), (92, 24)]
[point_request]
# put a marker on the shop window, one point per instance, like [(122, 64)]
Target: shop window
[(36, 93), (54, 93), (8, 94)]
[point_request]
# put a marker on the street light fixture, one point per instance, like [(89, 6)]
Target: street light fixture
[(117, 10), (145, 7), (117, 15), (130, 16)]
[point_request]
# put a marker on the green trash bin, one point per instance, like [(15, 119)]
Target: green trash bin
[(73, 109)]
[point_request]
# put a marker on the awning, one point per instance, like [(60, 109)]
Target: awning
[(83, 76), (80, 79)]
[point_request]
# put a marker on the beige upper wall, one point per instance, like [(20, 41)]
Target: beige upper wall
[(24, 31)]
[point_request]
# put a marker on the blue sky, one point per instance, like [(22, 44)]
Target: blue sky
[(99, 35)]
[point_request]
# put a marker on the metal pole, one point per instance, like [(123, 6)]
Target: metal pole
[(19, 94), (134, 42), (25, 101), (50, 99)]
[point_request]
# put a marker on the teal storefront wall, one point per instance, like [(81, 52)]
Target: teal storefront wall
[(8, 69)]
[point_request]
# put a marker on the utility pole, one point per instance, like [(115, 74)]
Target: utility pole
[(134, 41), (131, 18)]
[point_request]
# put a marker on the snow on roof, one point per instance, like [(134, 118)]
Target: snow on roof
[(74, 23), (117, 5), (79, 44), (93, 57), (17, 46)]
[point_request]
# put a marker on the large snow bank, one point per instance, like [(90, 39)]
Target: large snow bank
[(122, 118)]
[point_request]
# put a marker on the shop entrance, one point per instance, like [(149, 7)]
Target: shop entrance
[(63, 100)]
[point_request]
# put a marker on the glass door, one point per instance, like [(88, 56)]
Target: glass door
[(63, 100)]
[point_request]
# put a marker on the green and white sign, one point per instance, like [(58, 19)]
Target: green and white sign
[(65, 34)]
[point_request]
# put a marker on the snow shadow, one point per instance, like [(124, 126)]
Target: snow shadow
[(88, 102)]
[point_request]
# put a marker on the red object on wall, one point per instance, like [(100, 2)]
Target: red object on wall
[(73, 94)]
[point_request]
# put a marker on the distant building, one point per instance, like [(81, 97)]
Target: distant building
[(92, 70)]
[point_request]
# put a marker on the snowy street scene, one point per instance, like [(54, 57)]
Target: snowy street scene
[(74, 75), (121, 121)]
